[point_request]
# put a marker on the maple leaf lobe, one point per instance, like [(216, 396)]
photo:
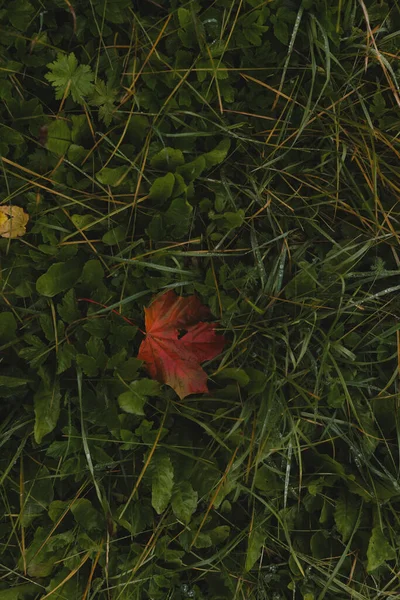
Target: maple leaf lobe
[(171, 357)]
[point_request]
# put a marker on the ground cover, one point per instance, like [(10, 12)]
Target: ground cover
[(246, 153)]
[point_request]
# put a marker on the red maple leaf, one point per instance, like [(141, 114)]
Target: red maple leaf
[(177, 341)]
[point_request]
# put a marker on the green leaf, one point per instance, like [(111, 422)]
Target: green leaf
[(203, 540), (254, 547), (47, 410), (38, 491), (8, 327), (218, 155), (162, 481), (66, 354), (219, 534), (104, 96), (192, 170), (76, 153), (19, 592), (58, 278), (87, 364), (114, 236), (20, 14), (99, 327), (234, 219), (95, 348), (236, 374), (133, 401), (86, 515), (379, 550), (68, 308), (281, 31), (137, 129), (303, 283), (10, 136), (178, 217), (115, 11), (167, 159), (12, 382), (346, 512), (113, 177), (129, 368), (58, 137), (162, 187), (69, 78), (156, 228), (184, 17), (184, 501), (92, 274)]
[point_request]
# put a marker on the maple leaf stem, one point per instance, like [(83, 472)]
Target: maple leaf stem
[(112, 310)]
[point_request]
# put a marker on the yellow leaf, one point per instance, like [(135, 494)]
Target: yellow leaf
[(13, 220)]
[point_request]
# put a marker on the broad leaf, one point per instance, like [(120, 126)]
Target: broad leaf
[(134, 400), (184, 501), (162, 481), (255, 544), (162, 188), (58, 278), (47, 410), (346, 513), (379, 549), (8, 327)]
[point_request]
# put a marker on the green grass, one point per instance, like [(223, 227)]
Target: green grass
[(245, 151)]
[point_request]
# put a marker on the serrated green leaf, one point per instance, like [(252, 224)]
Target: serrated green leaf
[(129, 368), (66, 354), (87, 364), (184, 501), (96, 349), (162, 481), (104, 96), (69, 78), (12, 382), (68, 308)]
